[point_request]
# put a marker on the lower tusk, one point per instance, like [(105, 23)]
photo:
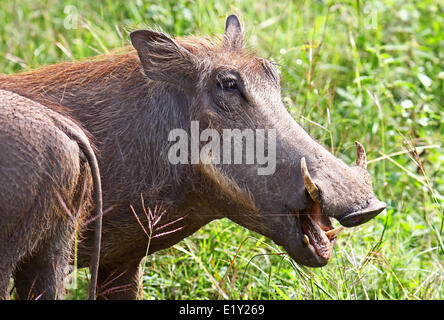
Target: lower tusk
[(306, 240), (334, 232)]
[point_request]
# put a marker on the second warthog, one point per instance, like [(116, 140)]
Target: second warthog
[(130, 102), (46, 164)]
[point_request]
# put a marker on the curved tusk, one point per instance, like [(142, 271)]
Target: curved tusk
[(309, 184), (361, 157)]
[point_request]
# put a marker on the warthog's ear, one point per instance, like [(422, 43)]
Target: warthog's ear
[(233, 38), (163, 59)]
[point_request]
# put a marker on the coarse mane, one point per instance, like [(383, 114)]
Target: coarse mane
[(122, 64)]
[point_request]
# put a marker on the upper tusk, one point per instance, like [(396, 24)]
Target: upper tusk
[(309, 184), (361, 157)]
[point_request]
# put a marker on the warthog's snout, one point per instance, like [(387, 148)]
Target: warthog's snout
[(359, 217)]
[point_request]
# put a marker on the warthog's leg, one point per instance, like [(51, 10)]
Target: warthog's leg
[(16, 238), (119, 283), (7, 265), (41, 275)]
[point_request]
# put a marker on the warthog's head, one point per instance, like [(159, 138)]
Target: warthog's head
[(283, 184)]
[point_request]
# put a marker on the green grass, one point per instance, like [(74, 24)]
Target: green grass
[(371, 72)]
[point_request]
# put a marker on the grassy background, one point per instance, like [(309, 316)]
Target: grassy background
[(351, 70)]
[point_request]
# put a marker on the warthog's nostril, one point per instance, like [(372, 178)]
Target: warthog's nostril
[(364, 215)]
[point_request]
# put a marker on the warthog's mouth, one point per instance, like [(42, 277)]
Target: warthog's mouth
[(319, 234)]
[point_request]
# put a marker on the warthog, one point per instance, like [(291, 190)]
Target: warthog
[(45, 191), (131, 100)]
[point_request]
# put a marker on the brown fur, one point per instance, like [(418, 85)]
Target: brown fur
[(227, 187)]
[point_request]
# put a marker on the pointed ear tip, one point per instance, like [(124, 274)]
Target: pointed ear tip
[(141, 36), (232, 19), (137, 35)]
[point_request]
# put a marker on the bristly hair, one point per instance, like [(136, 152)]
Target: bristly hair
[(228, 187), (120, 63)]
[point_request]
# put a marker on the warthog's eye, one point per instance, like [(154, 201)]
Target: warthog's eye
[(227, 84), (229, 90)]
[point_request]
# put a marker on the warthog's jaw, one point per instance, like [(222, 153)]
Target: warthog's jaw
[(319, 235), (318, 232)]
